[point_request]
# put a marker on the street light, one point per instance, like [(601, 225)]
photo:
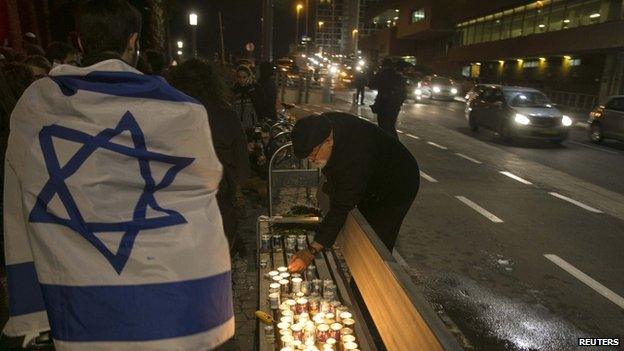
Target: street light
[(180, 44), (299, 7), (193, 23), (354, 34), (320, 24)]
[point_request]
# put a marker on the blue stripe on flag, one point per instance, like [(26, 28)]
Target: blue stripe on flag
[(128, 84), (138, 312), (24, 290)]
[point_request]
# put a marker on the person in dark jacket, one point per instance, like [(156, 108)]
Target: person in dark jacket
[(248, 98), (197, 78), (269, 90), (391, 93), (361, 80), (364, 167)]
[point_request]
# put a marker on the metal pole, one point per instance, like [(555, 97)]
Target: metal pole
[(307, 10), (296, 31), (222, 44), (194, 40)]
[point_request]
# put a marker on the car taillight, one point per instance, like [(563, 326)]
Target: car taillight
[(597, 112)]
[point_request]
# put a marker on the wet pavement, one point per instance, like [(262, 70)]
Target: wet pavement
[(480, 244)]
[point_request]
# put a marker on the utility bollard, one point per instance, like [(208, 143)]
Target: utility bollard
[(283, 85), (307, 88), (299, 89)]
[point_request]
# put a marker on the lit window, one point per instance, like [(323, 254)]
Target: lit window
[(529, 64), (417, 16)]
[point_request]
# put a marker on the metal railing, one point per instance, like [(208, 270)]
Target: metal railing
[(574, 101)]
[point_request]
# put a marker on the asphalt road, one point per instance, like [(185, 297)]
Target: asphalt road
[(521, 245)]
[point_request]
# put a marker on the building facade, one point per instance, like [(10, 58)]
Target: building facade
[(561, 46)]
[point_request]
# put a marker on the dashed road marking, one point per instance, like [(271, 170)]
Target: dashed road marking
[(412, 136), (468, 158), (437, 145), (575, 202), (587, 280), (428, 177), (515, 177), (487, 214)]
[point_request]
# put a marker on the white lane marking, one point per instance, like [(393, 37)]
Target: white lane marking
[(577, 203), (587, 280), (399, 131), (428, 177), (412, 136), (487, 214), (437, 145), (594, 147), (468, 158), (513, 176)]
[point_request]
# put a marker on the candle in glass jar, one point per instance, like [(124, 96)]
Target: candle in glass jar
[(274, 301), (296, 285), (285, 289), (335, 330), (297, 332), (346, 315), (272, 274), (274, 288), (287, 341), (314, 305), (282, 269), (285, 275), (286, 319), (330, 318), (319, 318), (346, 331), (287, 349), (322, 332), (348, 322), (350, 346), (302, 305), (292, 305), (347, 338), (304, 318)]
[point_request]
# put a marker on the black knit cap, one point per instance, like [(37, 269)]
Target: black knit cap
[(308, 133)]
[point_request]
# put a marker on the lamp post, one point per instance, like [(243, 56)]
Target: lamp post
[(299, 7), (354, 34), (193, 23)]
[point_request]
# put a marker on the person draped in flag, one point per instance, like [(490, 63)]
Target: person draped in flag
[(113, 235)]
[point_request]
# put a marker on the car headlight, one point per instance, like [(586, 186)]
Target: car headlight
[(418, 92), (453, 91), (566, 121), (436, 89), (522, 119)]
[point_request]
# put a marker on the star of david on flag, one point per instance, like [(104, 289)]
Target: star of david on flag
[(56, 186)]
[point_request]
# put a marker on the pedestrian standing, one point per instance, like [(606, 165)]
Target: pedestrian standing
[(269, 90), (199, 78), (391, 93), (361, 80), (248, 99), (113, 235)]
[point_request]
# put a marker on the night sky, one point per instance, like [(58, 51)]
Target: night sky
[(241, 19)]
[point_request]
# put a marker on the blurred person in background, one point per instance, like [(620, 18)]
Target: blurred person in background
[(199, 78), (248, 99), (391, 92), (39, 65), (269, 90), (18, 77), (156, 60), (59, 53)]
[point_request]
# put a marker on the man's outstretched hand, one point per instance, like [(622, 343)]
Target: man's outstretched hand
[(300, 261)]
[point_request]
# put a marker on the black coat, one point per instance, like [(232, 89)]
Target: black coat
[(230, 143), (391, 90), (366, 165)]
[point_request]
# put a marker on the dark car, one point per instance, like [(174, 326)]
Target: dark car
[(607, 121), (436, 87), (517, 112)]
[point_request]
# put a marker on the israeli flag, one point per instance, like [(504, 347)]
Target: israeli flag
[(113, 235)]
